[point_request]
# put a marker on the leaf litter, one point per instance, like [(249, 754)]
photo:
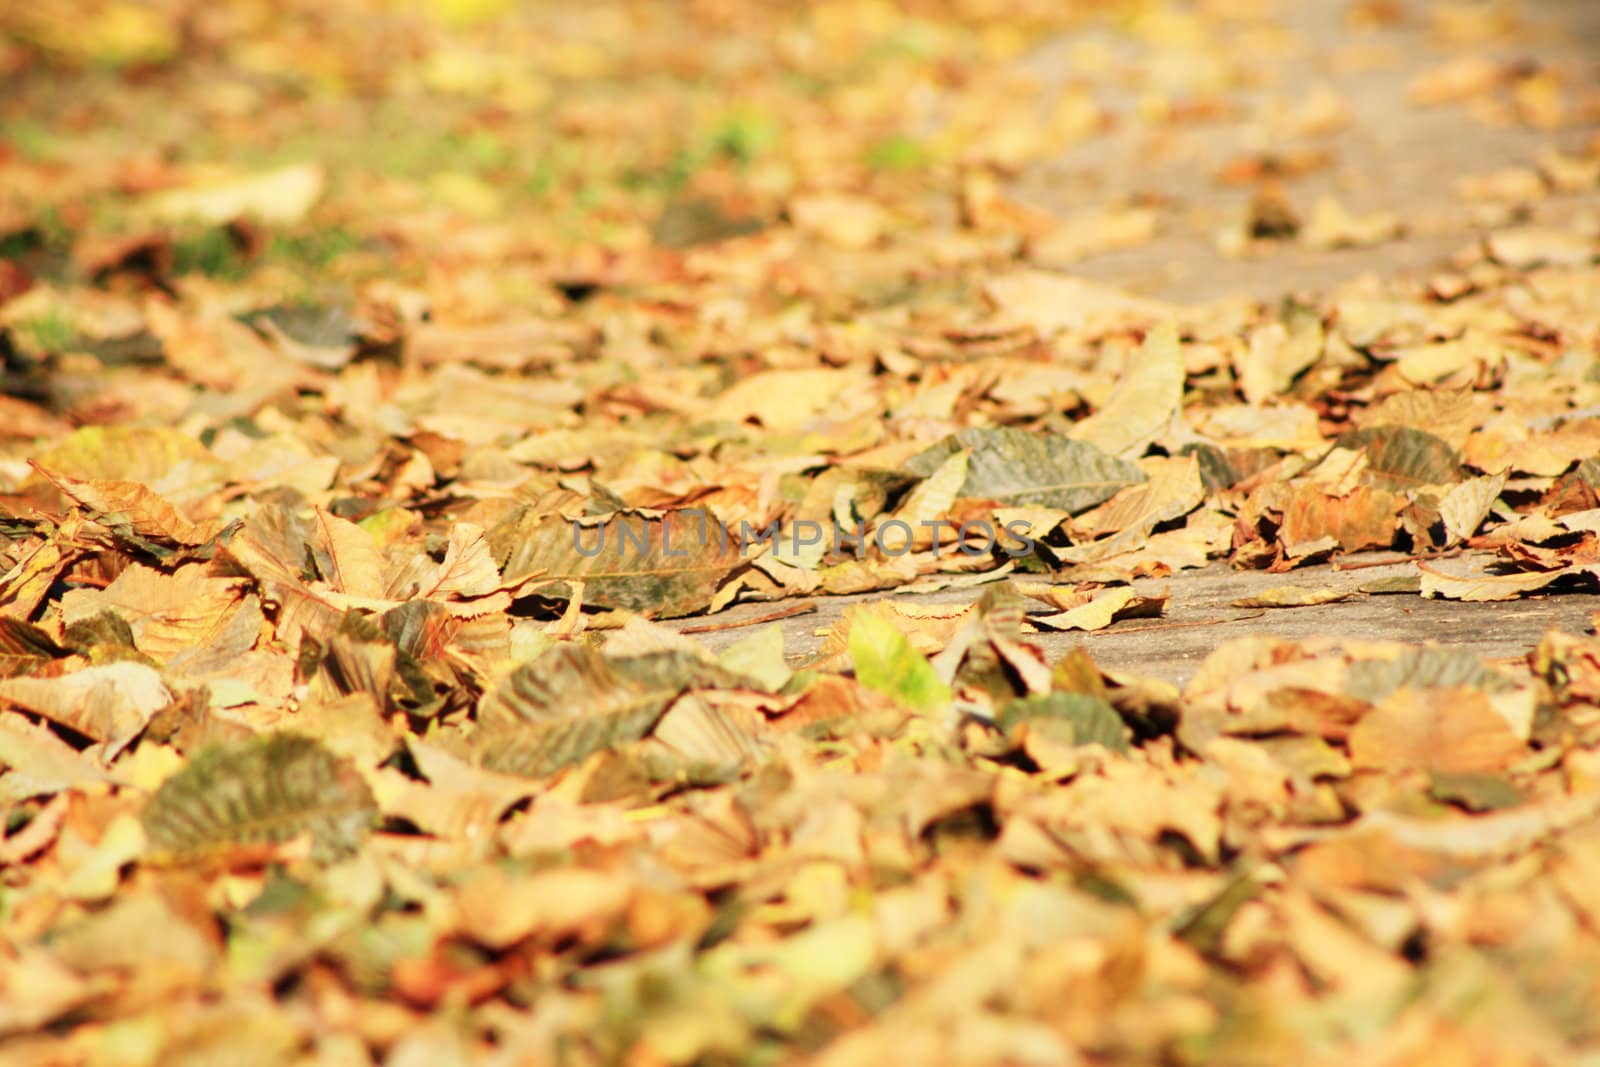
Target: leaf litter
[(377, 376)]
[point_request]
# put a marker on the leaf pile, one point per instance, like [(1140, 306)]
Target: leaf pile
[(376, 379)]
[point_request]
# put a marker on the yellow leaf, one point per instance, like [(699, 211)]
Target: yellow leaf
[(99, 872), (280, 197), (356, 560), (1145, 398), (1293, 596), (779, 399), (929, 503), (840, 219), (1107, 607), (1052, 302)]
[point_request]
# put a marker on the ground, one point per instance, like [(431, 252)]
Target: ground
[(412, 418)]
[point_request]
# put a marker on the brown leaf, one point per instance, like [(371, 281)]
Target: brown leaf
[(667, 566), (355, 563), (1054, 302), (109, 703), (1362, 518), (1447, 731), (28, 582), (272, 547), (132, 505), (184, 611), (1480, 587)]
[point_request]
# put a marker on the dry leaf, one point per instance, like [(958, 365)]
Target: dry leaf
[(1448, 731), (1102, 609), (1293, 596)]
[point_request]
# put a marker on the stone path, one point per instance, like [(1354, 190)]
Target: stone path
[(1389, 155), (1201, 615)]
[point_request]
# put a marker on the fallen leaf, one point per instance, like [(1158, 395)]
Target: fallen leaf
[(885, 661), (1332, 226), (668, 566), (1023, 469), (1144, 401), (109, 703), (1293, 596), (840, 219), (1051, 303), (168, 614), (280, 196), (1447, 731), (1102, 609), (1466, 504), (268, 789), (1091, 234), (574, 701), (1529, 246)]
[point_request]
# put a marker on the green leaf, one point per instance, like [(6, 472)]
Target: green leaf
[(1016, 467), (267, 788), (896, 152), (574, 701), (885, 661), (1087, 719)]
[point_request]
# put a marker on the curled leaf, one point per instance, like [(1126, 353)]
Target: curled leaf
[(574, 701)]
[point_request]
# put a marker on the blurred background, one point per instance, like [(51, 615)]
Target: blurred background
[(494, 150)]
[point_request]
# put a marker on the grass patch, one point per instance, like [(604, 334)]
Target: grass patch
[(481, 150), (896, 152), (744, 136), (33, 140), (314, 249), (212, 252), (48, 333), (739, 138), (47, 232), (669, 178)]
